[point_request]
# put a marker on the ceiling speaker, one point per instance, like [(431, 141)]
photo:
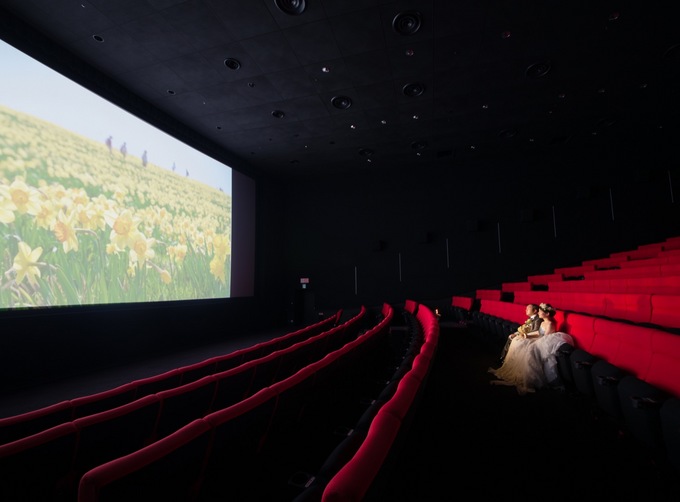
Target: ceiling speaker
[(341, 102), (538, 70), (291, 7), (407, 22), (413, 89), (232, 64)]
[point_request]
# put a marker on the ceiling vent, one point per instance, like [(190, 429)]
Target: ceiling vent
[(341, 102), (413, 89), (291, 7), (407, 22), (278, 114), (538, 70)]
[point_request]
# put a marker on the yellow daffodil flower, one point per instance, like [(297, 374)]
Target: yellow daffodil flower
[(25, 263)]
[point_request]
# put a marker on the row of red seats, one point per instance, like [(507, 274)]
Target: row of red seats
[(643, 252), (69, 449), (354, 480), (633, 374), (657, 259), (630, 370), (659, 310), (18, 426), (235, 453), (663, 285)]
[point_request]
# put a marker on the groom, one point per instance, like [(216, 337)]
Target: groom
[(531, 324)]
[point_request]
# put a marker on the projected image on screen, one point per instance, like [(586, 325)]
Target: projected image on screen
[(99, 207)]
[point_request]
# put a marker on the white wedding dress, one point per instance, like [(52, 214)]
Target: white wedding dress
[(530, 363)]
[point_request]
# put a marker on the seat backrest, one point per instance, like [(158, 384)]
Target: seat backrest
[(581, 328), (355, 478), (157, 383), (100, 401), (112, 433), (634, 307), (633, 352), (185, 403), (464, 302), (35, 467), (168, 469), (664, 368), (411, 306), (239, 434), (666, 310), (34, 421)]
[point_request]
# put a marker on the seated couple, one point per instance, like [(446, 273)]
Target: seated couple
[(530, 362)]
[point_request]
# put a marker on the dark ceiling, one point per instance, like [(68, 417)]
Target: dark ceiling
[(295, 87)]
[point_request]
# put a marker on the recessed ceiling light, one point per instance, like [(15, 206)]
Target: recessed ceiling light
[(410, 52), (278, 114), (506, 34), (171, 92), (326, 69), (98, 38)]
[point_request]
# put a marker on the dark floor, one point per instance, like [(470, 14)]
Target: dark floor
[(467, 438), (482, 441)]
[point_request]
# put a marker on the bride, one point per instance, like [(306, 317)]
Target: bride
[(530, 363)]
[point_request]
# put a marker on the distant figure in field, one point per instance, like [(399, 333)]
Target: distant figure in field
[(123, 149), (173, 167), (187, 173), (109, 144), (144, 159)]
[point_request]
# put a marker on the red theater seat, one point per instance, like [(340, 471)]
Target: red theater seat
[(168, 469), (32, 422), (666, 310), (36, 467)]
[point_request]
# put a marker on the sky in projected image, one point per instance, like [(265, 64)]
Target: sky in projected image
[(31, 87)]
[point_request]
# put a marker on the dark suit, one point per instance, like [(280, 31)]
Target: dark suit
[(531, 324)]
